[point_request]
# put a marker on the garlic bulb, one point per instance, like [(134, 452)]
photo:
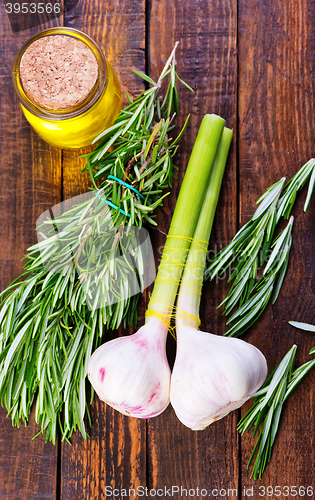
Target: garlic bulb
[(132, 373), (212, 376)]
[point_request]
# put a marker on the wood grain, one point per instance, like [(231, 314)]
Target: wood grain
[(251, 62), (115, 456), (207, 61), (276, 59), (30, 182)]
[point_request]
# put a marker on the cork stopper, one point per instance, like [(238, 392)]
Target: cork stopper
[(58, 72)]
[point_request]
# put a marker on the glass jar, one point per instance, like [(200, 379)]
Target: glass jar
[(76, 127)]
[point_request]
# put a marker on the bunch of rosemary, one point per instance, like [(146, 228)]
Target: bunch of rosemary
[(268, 404), (251, 248), (75, 285)]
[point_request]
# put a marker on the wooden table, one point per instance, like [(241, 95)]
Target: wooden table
[(252, 62)]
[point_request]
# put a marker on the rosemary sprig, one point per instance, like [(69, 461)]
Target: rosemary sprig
[(250, 248), (258, 294), (54, 316), (267, 408)]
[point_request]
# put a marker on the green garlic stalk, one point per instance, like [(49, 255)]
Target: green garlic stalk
[(185, 217)]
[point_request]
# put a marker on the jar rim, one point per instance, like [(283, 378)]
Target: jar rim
[(88, 102)]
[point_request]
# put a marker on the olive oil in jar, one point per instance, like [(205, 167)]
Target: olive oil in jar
[(69, 93)]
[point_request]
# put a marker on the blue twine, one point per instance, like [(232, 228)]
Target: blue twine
[(111, 204), (126, 185)]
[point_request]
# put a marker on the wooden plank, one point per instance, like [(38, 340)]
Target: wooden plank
[(276, 137), (30, 182), (206, 60), (115, 454)]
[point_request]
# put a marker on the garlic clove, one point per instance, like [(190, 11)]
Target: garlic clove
[(132, 373), (212, 376)]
